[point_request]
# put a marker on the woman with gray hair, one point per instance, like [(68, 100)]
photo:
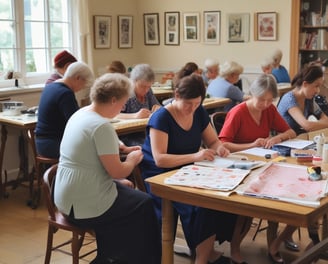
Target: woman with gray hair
[(141, 103), (211, 70), (248, 125), (224, 86), (57, 104), (91, 186)]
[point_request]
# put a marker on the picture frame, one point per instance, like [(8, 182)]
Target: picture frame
[(102, 32), (191, 27), (125, 31), (266, 26), (238, 27), (212, 24), (172, 28), (151, 28)]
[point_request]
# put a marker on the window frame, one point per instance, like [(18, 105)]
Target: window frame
[(34, 78)]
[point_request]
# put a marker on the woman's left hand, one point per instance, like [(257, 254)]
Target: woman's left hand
[(272, 141), (125, 149), (222, 151), (126, 182)]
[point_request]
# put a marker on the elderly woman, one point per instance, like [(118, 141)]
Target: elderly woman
[(61, 61), (224, 86), (91, 189), (249, 125), (211, 70), (279, 71), (57, 104), (142, 102)]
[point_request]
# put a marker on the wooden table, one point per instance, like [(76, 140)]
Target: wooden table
[(292, 214), (282, 89), (25, 123), (215, 102), (127, 126), (162, 93)]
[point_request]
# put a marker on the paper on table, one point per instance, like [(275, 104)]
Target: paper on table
[(296, 143), (213, 178), (260, 152), (231, 162)]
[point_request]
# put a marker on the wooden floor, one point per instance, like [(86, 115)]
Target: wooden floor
[(23, 234)]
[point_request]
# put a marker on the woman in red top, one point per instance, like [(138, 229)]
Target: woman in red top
[(250, 124)]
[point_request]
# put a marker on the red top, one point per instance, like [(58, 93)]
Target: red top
[(240, 127)]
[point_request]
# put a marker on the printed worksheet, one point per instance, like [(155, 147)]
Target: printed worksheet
[(222, 179)]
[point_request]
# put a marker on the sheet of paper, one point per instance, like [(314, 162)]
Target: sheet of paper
[(261, 152), (296, 143), (208, 177)]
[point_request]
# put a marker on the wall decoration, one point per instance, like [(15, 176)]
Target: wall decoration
[(238, 27), (151, 29), (102, 32), (212, 20), (191, 26), (172, 28), (125, 31), (266, 26)]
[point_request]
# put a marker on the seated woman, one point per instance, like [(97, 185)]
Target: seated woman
[(91, 189), (249, 125), (174, 136), (211, 70), (57, 104), (298, 105), (224, 86), (142, 102), (279, 71)]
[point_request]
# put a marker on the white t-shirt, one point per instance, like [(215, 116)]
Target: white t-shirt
[(81, 180)]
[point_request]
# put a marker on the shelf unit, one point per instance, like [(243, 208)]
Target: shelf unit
[(309, 33)]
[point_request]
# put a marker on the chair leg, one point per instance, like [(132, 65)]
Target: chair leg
[(258, 229), (75, 248), (49, 244)]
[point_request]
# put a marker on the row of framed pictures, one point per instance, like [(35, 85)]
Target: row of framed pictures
[(238, 24)]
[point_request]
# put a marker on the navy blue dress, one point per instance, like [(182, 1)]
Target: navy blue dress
[(197, 223)]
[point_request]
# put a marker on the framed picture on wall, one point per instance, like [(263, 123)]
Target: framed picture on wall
[(238, 27), (212, 21), (151, 29), (125, 31), (191, 26), (172, 28), (102, 32), (266, 26)]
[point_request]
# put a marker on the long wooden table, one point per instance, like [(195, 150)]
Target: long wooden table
[(292, 214), (25, 123)]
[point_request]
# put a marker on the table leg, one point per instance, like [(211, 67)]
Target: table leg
[(167, 232), (313, 253), (2, 151)]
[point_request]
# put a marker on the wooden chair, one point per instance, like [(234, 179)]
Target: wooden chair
[(217, 120), (57, 220), (137, 179), (40, 164)]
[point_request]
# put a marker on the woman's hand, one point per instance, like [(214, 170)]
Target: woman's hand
[(143, 113), (260, 142), (272, 141), (135, 157), (222, 151), (126, 182), (205, 154), (125, 149)]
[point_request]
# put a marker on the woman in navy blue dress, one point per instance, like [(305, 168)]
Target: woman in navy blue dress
[(174, 137)]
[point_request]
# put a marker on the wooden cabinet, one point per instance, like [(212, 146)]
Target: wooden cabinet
[(309, 33)]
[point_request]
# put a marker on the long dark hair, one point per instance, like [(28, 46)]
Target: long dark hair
[(186, 70), (308, 74)]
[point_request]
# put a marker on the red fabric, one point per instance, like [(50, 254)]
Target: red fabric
[(240, 127), (62, 58)]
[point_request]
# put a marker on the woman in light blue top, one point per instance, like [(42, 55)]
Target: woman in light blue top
[(91, 189), (223, 86)]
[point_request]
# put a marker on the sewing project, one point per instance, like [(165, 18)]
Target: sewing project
[(214, 178)]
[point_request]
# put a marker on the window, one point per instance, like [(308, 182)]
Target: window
[(32, 32)]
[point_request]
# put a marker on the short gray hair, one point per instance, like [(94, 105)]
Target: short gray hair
[(210, 63), (230, 67), (263, 84), (142, 72), (110, 85), (80, 69)]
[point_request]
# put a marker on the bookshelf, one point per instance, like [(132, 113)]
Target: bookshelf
[(309, 33)]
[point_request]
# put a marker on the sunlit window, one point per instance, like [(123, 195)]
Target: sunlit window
[(32, 32)]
